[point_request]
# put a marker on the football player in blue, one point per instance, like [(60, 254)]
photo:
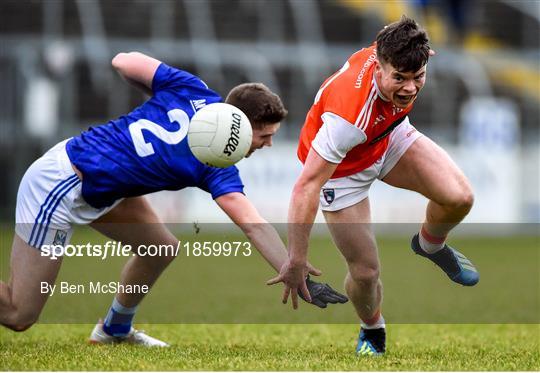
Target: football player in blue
[(100, 178)]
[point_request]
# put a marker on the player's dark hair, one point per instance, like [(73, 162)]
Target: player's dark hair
[(258, 102), (403, 44)]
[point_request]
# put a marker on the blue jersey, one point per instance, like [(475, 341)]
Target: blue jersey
[(147, 150)]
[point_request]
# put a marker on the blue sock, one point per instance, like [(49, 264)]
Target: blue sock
[(119, 319)]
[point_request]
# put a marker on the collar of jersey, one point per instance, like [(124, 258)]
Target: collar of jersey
[(379, 93)]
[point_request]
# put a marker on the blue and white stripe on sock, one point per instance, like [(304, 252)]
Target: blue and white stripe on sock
[(119, 319)]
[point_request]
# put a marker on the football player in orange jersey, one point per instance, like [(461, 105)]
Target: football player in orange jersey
[(357, 131)]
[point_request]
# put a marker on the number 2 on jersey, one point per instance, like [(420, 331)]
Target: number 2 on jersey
[(143, 148)]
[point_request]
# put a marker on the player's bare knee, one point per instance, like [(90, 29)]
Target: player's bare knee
[(159, 258), (462, 201), (167, 258), (20, 327), (171, 252), (20, 322), (363, 275)]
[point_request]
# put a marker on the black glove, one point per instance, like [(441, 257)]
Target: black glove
[(322, 294)]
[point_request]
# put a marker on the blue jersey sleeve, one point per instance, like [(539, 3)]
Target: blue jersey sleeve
[(220, 181), (167, 77)]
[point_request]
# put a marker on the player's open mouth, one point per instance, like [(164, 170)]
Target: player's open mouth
[(404, 98)]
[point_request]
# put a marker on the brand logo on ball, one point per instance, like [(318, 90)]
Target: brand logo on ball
[(232, 143)]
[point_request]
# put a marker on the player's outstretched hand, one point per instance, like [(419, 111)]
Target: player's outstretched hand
[(322, 294), (313, 271), (293, 276)]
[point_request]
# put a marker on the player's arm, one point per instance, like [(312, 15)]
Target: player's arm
[(302, 211), (304, 204), (331, 144), (335, 139), (267, 241), (137, 68), (263, 236)]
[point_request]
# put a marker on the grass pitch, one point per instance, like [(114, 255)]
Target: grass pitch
[(218, 315), (278, 347)]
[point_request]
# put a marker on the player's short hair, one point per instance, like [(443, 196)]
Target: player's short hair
[(404, 44), (258, 102)]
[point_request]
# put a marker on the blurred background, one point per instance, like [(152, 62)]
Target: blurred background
[(481, 101)]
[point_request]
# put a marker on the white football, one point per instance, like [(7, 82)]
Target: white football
[(219, 135)]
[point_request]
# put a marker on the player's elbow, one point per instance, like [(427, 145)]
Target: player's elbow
[(305, 188), (121, 60), (118, 60), (251, 224), (252, 230)]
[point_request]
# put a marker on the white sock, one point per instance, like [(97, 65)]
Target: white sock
[(378, 324), (430, 244)]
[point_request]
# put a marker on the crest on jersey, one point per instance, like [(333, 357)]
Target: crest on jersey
[(59, 238), (329, 195)]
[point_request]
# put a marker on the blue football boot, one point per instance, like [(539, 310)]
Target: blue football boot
[(371, 342), (452, 262)]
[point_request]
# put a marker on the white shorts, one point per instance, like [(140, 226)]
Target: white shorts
[(343, 192), (49, 201)]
